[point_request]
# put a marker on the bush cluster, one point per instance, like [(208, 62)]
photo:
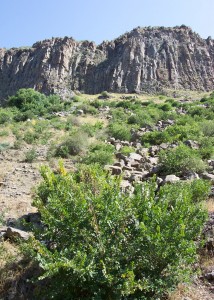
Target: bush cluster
[(108, 245)]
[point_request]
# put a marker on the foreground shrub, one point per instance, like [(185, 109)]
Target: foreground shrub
[(104, 244)]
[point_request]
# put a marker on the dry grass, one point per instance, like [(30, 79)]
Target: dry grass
[(181, 94), (9, 254), (181, 292), (16, 273), (209, 204), (196, 291)]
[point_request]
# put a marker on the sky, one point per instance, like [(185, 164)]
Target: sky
[(23, 22)]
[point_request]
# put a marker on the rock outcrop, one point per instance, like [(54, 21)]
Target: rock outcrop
[(145, 59)]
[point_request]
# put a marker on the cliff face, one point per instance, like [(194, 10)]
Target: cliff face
[(146, 59)]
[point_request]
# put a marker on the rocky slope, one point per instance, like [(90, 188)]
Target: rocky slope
[(145, 59)]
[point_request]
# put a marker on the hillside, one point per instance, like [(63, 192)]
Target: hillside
[(145, 59), (146, 141)]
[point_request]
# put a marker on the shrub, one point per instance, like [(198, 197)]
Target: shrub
[(140, 118), (182, 133), (88, 109), (173, 102), (119, 131), (107, 245), (77, 98), (125, 104), (30, 155), (126, 150), (155, 137), (180, 160), (30, 137), (105, 94), (72, 121), (101, 154), (89, 129), (31, 102), (165, 107), (25, 98), (18, 144), (4, 146), (206, 149), (72, 145), (207, 128), (4, 117), (119, 115), (4, 132), (97, 103)]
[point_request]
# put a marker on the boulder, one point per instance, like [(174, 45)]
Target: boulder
[(80, 112), (208, 176), (118, 146), (121, 156), (153, 150), (120, 163), (126, 186), (192, 144), (115, 170), (170, 179), (14, 233), (135, 156), (191, 176)]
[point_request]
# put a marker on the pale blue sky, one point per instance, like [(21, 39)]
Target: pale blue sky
[(23, 22)]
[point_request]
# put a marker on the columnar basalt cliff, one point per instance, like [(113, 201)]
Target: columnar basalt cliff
[(145, 59)]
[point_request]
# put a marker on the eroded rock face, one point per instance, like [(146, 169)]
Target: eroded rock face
[(146, 59)]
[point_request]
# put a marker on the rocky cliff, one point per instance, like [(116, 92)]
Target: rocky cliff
[(145, 59)]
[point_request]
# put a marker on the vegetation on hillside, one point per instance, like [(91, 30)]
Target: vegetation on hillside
[(96, 241)]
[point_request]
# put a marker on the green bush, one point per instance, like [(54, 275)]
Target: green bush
[(181, 160), (119, 115), (30, 137), (4, 117), (155, 137), (72, 145), (4, 132), (31, 102), (91, 129), (77, 98), (108, 245), (206, 149), (101, 154), (119, 131), (105, 94), (207, 128), (18, 144), (165, 107), (88, 109), (173, 133), (140, 118), (31, 155), (126, 150)]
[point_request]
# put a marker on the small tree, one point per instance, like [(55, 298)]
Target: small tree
[(104, 244)]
